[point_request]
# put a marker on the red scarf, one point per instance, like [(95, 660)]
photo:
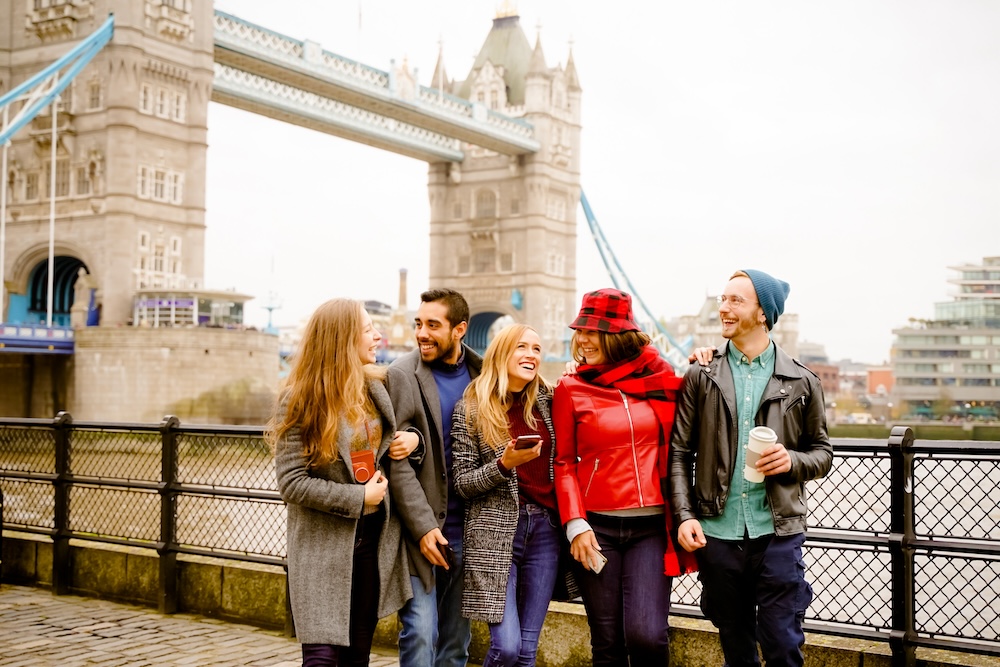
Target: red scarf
[(649, 377)]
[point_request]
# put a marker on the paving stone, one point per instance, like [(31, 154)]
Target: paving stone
[(39, 629)]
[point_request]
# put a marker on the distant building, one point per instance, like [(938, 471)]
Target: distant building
[(950, 366)]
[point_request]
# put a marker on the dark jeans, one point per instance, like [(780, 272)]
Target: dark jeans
[(364, 602), (629, 601), (755, 590), (534, 567)]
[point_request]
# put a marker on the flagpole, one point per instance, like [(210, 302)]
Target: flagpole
[(3, 221), (52, 209)]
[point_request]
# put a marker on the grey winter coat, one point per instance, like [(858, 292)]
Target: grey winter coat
[(491, 512), (419, 484), (324, 506)]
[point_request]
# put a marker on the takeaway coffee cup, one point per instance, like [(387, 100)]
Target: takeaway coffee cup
[(761, 437)]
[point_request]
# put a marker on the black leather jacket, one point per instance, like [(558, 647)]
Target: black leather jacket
[(703, 442)]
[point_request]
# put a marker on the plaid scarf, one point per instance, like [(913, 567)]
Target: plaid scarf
[(649, 377)]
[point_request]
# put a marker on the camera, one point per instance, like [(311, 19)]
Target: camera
[(363, 465)]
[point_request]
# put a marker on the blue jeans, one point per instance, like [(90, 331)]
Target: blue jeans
[(629, 601), (434, 632), (533, 569), (755, 590)]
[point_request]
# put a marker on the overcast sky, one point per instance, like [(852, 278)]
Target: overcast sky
[(851, 148)]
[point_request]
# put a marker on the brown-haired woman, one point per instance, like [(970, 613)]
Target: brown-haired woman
[(333, 424), (613, 420)]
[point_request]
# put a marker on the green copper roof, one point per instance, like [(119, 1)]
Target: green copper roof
[(506, 45)]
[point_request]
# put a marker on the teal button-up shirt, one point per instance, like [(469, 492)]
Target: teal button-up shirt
[(746, 508)]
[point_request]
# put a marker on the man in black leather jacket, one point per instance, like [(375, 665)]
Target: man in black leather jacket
[(748, 535)]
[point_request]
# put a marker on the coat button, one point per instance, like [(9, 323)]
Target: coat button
[(442, 515)]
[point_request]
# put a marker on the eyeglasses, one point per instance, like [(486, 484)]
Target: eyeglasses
[(734, 300)]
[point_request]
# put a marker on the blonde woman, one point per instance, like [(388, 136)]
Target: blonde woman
[(502, 462), (332, 427)]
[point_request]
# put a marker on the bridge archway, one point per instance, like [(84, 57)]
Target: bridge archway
[(483, 326), (66, 270)]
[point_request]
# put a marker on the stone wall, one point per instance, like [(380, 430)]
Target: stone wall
[(203, 375), (35, 385)]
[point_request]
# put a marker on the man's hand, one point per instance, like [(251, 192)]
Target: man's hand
[(429, 547), (703, 355), (581, 547), (774, 460), (403, 444), (690, 536)]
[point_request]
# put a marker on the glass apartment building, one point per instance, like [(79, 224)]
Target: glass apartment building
[(949, 367)]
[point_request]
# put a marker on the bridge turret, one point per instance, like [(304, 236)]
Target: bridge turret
[(503, 230)]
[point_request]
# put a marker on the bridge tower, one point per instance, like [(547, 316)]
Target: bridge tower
[(130, 167), (503, 229)]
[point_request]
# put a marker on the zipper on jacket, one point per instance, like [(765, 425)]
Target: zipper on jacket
[(635, 457), (597, 462)]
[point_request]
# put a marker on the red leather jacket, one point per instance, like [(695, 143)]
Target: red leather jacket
[(607, 450)]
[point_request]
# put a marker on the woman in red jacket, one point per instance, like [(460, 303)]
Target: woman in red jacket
[(612, 422)]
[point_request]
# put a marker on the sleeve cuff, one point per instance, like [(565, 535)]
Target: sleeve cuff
[(576, 527)]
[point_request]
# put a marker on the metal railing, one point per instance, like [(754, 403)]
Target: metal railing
[(903, 546)]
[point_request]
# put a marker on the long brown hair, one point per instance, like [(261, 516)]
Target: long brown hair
[(488, 397), (617, 347), (327, 381)]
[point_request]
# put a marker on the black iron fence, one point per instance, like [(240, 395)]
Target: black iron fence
[(903, 547)]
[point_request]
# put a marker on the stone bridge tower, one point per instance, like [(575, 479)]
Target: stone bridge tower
[(503, 230), (130, 166)]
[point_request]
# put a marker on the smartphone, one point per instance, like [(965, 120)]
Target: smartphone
[(527, 441), (597, 561), (448, 554)]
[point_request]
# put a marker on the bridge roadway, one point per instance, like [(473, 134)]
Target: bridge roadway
[(39, 629)]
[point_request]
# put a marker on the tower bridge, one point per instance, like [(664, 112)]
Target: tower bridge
[(120, 180)]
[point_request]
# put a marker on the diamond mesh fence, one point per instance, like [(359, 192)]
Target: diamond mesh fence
[(957, 498), (956, 596), (25, 449), (28, 504), (853, 496), (236, 525), (131, 514), (226, 461), (850, 585), (111, 454)]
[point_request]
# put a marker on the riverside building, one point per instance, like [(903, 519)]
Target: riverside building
[(949, 367)]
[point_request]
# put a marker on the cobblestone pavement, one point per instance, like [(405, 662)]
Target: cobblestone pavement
[(38, 629)]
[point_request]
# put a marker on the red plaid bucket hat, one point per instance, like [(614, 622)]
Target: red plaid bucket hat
[(608, 310)]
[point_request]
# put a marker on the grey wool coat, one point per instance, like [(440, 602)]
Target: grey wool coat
[(324, 505), (491, 509), (419, 484)]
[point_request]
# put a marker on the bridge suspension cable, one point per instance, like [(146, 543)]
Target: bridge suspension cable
[(674, 352)]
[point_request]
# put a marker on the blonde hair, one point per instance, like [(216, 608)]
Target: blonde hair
[(488, 397), (327, 381)]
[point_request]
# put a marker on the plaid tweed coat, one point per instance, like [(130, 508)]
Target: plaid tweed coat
[(490, 513)]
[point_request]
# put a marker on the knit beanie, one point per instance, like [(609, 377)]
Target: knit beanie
[(771, 294)]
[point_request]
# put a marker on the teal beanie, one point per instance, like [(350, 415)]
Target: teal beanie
[(771, 294)]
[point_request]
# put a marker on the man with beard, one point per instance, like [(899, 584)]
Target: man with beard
[(424, 386), (748, 536)]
